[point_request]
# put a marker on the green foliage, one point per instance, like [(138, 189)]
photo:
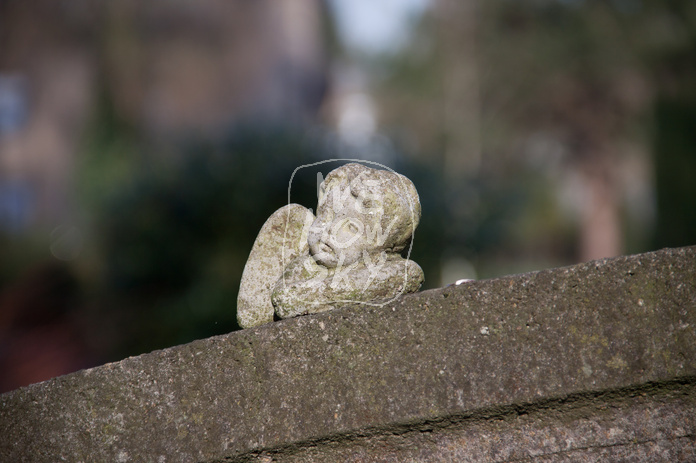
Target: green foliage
[(675, 146), (578, 75), (174, 238)]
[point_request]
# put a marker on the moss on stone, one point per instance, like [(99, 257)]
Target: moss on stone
[(571, 346)]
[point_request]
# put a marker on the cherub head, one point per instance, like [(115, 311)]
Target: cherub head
[(362, 210)]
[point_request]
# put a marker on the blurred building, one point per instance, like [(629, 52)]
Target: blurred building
[(169, 69), (162, 73)]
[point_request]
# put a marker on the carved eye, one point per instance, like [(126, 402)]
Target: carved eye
[(352, 228)]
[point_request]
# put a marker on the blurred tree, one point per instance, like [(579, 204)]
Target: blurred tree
[(550, 99), (173, 238), (675, 132), (675, 162)]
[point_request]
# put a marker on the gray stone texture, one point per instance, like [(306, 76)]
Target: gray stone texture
[(280, 241), (595, 362)]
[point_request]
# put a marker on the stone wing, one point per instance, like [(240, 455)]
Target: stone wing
[(282, 238)]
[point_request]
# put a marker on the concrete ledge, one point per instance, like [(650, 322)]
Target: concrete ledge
[(617, 338)]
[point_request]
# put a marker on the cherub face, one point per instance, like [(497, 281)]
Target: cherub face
[(348, 221)]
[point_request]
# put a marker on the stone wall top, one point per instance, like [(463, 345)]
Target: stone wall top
[(428, 357)]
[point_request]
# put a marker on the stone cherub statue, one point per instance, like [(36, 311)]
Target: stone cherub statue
[(349, 254)]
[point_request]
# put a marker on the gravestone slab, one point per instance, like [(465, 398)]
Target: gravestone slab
[(595, 361)]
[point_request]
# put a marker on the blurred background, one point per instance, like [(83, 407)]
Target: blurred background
[(143, 145)]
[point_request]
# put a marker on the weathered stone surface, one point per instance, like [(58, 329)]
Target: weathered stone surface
[(350, 254), (653, 423), (591, 362), (282, 239)]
